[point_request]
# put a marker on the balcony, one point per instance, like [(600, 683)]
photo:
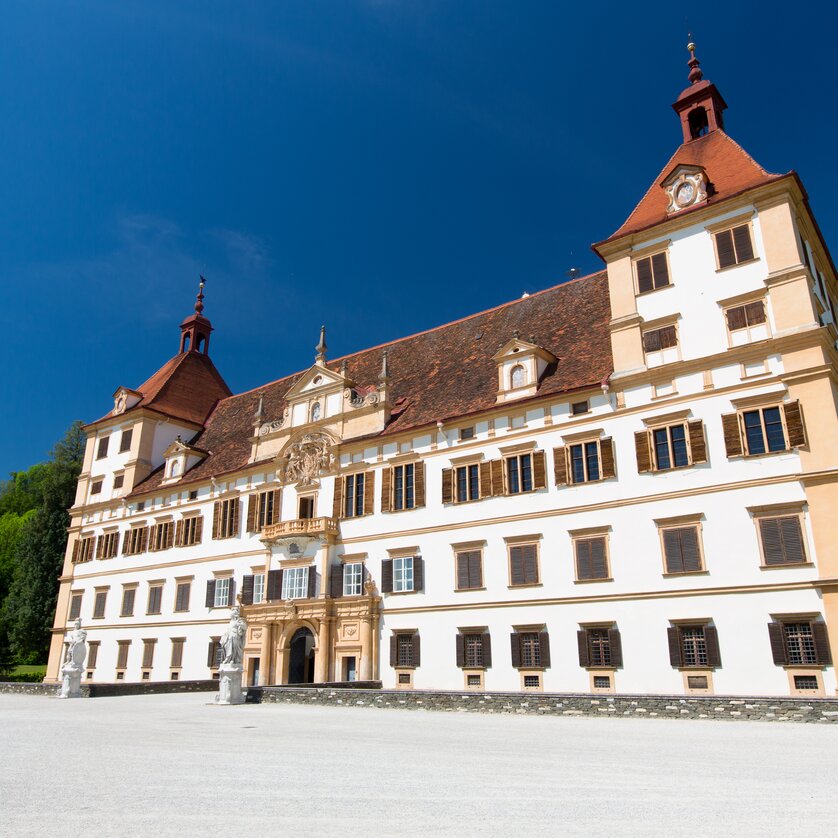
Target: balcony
[(301, 527)]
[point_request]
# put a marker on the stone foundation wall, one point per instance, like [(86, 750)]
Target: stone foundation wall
[(106, 690), (23, 688), (741, 708)]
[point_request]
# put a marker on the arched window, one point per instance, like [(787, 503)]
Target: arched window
[(699, 126), (315, 411), (199, 344), (518, 376), (174, 471), (184, 345)]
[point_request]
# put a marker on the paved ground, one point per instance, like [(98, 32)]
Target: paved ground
[(172, 765)]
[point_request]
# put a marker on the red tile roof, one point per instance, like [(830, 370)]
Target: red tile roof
[(444, 373), (730, 170)]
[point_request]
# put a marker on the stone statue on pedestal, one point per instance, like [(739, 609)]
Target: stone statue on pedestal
[(230, 670), (73, 665)]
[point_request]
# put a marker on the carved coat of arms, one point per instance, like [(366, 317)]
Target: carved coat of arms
[(305, 459)]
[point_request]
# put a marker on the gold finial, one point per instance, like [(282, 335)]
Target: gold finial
[(199, 300)]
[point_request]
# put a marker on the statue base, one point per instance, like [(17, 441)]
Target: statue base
[(230, 684), (71, 683)]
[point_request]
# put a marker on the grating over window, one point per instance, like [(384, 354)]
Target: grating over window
[(532, 681), (805, 682), (473, 680), (530, 651), (693, 646), (800, 643), (474, 649), (404, 650), (404, 677), (602, 682), (600, 648)]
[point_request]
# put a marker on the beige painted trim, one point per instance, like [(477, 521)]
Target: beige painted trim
[(687, 673), (791, 672), (594, 434), (678, 520), (401, 552), (603, 672), (660, 322), (467, 459), (741, 299), (581, 535), (734, 221), (515, 542), (585, 532), (788, 510), (126, 626), (518, 448), (462, 546), (674, 418), (523, 539), (691, 521), (769, 399)]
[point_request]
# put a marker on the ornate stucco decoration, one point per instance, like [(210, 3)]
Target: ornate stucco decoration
[(304, 460), (686, 187), (274, 425)]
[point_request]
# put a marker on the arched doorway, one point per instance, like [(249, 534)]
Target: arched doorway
[(301, 657)]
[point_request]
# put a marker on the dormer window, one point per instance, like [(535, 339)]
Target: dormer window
[(179, 458), (521, 364), (174, 468), (315, 412), (518, 377)]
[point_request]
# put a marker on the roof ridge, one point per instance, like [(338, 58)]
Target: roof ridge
[(748, 155)]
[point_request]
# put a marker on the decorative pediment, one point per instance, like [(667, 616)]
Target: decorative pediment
[(316, 379), (178, 458), (521, 364), (124, 399), (685, 186)]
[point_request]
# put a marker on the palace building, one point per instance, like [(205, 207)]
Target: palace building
[(625, 483)]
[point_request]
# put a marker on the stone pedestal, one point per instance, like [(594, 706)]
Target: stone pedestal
[(230, 684), (71, 683)]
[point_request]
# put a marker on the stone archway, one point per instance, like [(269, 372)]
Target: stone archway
[(301, 652)]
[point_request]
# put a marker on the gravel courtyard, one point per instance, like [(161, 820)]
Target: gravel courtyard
[(173, 765)]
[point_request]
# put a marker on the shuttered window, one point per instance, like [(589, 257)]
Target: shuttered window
[(660, 346), (148, 653), (102, 450), (591, 558), (182, 596), (226, 518), (519, 474), (800, 643), (681, 550), (782, 540), (93, 653), (600, 647), (404, 494), (128, 597), (191, 531), (734, 246), (694, 646), (469, 569), (75, 606), (125, 441), (584, 462), (670, 447), (107, 546), (652, 272), (353, 495), (747, 323), (135, 541), (177, 652), (764, 430), (84, 550), (162, 536), (523, 564), (122, 654), (99, 605), (468, 482), (155, 599)]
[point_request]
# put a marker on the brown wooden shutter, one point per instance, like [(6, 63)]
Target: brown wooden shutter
[(312, 582), (394, 650), (231, 593), (560, 466), (100, 543), (337, 505), (497, 477), (170, 535), (236, 507), (462, 570), (582, 643), (487, 474), (644, 275), (584, 571), (690, 551), (418, 484), (216, 518), (643, 451), (247, 590), (415, 652), (448, 485), (369, 492), (487, 649), (336, 581), (418, 573), (531, 563), (736, 318), (794, 424), (516, 566), (607, 465), (661, 270), (179, 533), (475, 568), (252, 506), (386, 477), (274, 587), (387, 576), (742, 240), (674, 636), (772, 544), (599, 561), (615, 644), (126, 541), (823, 655), (711, 642), (539, 470), (698, 446), (210, 600), (199, 529), (211, 654), (144, 539), (778, 645), (792, 539), (672, 553), (515, 646), (733, 438), (277, 506), (460, 645), (544, 648), (724, 249)]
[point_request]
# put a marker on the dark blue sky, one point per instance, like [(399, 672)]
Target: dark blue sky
[(379, 166)]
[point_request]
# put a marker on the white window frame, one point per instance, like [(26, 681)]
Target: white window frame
[(353, 578), (295, 582), (402, 574), (222, 592), (258, 588)]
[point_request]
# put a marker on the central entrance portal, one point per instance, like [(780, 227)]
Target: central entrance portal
[(301, 660)]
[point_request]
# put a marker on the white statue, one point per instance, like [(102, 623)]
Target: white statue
[(232, 642), (74, 662)]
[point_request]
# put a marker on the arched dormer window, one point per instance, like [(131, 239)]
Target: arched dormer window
[(517, 376), (174, 469), (315, 412), (699, 125)]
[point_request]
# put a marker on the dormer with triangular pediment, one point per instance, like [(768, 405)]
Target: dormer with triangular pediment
[(521, 365), (178, 458)]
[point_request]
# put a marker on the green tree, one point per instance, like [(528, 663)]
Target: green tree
[(23, 490), (39, 555)]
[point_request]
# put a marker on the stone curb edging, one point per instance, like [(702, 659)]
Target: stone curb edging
[(109, 690)]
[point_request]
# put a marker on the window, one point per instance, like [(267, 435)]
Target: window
[(403, 574), (295, 583), (193, 494), (532, 682), (517, 376), (134, 541), (734, 246), (222, 592), (468, 482), (148, 653), (523, 564), (578, 408), (353, 501), (92, 653), (806, 682), (155, 599), (519, 474), (747, 323), (600, 646), (660, 346), (140, 506), (83, 549), (670, 447), (75, 606), (584, 462), (764, 430), (102, 450), (652, 272), (353, 578), (119, 481), (466, 433), (403, 486), (268, 509), (469, 569), (191, 531), (95, 487), (404, 649), (800, 643), (529, 643), (681, 549), (177, 652), (258, 588), (107, 545), (215, 653), (306, 507), (122, 654), (162, 535), (591, 558), (226, 518), (99, 603), (602, 682), (695, 645), (182, 592), (128, 596), (782, 540), (125, 440), (473, 650)]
